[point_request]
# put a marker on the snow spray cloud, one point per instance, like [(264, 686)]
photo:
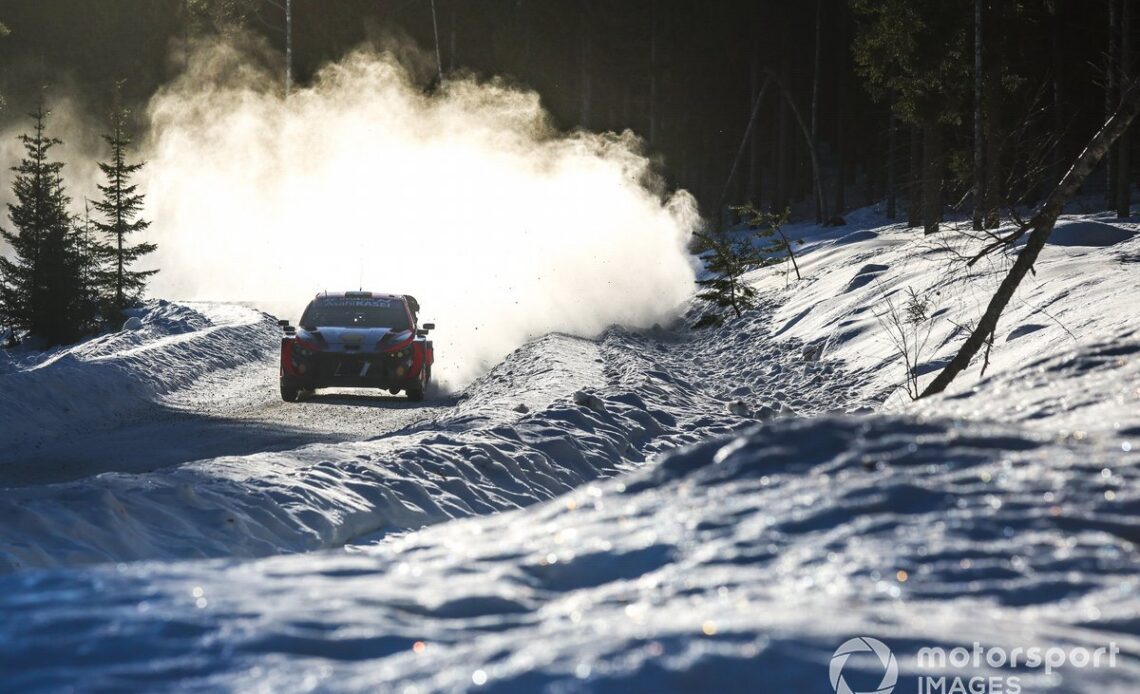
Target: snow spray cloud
[(503, 228)]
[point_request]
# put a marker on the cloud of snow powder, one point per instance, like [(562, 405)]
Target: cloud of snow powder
[(503, 228)]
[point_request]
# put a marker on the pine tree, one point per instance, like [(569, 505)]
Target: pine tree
[(120, 207), (728, 257), (918, 55), (40, 284), (89, 255)]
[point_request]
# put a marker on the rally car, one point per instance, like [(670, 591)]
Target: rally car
[(359, 340)]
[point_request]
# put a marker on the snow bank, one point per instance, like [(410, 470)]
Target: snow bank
[(484, 456), (1079, 303), (736, 563), (116, 377)]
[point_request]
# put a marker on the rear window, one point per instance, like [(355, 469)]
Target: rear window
[(356, 313)]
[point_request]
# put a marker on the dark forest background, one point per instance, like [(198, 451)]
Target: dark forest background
[(887, 89)]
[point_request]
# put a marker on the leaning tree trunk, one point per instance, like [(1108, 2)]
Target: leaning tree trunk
[(820, 205), (755, 195), (932, 175), (1042, 225), (757, 99)]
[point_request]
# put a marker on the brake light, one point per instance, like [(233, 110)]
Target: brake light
[(305, 349)]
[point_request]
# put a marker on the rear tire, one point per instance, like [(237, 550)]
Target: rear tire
[(416, 393), (290, 392)]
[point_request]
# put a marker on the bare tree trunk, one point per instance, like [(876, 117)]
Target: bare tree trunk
[(840, 151), (993, 136), (815, 73), (783, 160), (814, 136), (288, 46), (1042, 225), (979, 159), (932, 175), (754, 193), (451, 41), (1123, 146), (1058, 102), (653, 73), (914, 185), (820, 206), (435, 32), (586, 106), (756, 101), (892, 193), (1110, 95)]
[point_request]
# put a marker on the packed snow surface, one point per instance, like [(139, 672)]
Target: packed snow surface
[(667, 510)]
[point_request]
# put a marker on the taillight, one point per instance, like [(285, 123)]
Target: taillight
[(305, 349)]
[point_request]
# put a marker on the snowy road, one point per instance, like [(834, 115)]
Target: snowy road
[(174, 435), (233, 411)]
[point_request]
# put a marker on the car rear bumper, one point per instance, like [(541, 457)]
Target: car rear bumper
[(330, 370)]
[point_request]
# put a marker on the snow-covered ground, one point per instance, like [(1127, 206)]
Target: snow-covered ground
[(662, 511)]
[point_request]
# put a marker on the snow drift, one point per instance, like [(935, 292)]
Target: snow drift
[(116, 378), (733, 565)]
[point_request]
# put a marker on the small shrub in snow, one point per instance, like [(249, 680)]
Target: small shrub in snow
[(132, 323), (917, 308), (908, 329)]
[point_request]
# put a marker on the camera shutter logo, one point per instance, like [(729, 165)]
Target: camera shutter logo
[(864, 644)]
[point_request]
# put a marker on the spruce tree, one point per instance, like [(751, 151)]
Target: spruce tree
[(89, 256), (119, 208), (727, 257), (730, 255), (40, 284)]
